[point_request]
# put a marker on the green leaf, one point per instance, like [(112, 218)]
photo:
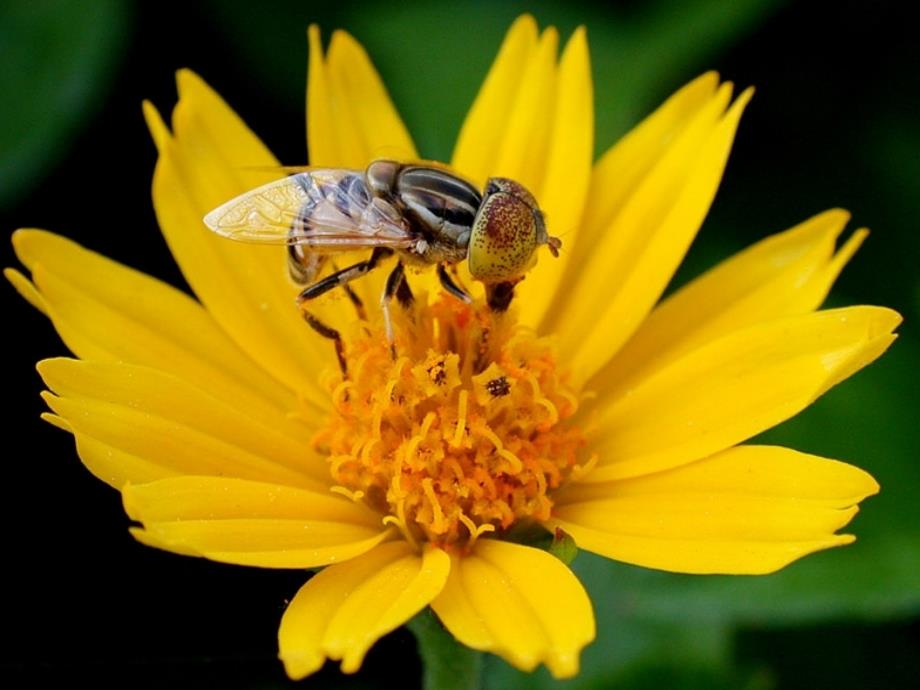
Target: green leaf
[(625, 641), (563, 546), (448, 665), (58, 60)]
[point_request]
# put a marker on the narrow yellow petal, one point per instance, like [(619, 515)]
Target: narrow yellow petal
[(756, 471), (564, 187), (110, 464), (729, 557), (520, 603), (251, 523), (158, 392), (55, 421), (708, 518), (522, 149), (785, 274), (323, 141), (166, 421), (236, 141), (350, 122), (220, 498), (731, 389), (648, 238), (109, 312), (159, 132), (344, 609), (482, 132), (621, 170), (244, 287), (26, 289), (749, 509), (263, 543), (378, 128)]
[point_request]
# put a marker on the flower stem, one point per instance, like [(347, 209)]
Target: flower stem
[(448, 665)]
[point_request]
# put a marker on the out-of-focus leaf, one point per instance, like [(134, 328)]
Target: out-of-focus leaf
[(447, 664), (892, 149), (434, 55), (839, 656), (689, 676), (626, 641), (58, 59)]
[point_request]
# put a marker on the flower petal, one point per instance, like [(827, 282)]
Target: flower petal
[(620, 171), (483, 131), (209, 159), (641, 247), (728, 390), (625, 166), (520, 603), (567, 173), (175, 426), (749, 509), (351, 119), (251, 523), (785, 274), (106, 462), (345, 608), (524, 143), (109, 312)]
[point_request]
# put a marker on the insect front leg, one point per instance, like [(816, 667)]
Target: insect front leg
[(396, 286), (339, 278), (448, 284)]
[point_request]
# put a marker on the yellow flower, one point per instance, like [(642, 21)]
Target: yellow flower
[(230, 432)]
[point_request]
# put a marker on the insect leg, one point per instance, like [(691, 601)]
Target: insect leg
[(323, 286), (356, 301), (332, 334), (394, 285), (448, 284), (346, 275)]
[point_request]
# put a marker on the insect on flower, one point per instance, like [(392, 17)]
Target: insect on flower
[(434, 478), (424, 214)]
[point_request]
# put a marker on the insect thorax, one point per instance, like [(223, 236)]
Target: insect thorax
[(440, 206)]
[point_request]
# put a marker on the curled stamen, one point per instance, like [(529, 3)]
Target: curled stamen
[(475, 530), (340, 394), (579, 471), (461, 435), (355, 496), (461, 417)]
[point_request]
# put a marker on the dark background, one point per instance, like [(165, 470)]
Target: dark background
[(834, 122)]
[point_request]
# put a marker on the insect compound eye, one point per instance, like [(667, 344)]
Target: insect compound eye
[(503, 238), (503, 184)]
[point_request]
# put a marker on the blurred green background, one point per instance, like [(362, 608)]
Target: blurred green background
[(835, 122)]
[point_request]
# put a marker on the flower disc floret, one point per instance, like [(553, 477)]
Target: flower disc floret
[(465, 430)]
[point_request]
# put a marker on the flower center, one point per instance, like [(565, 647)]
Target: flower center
[(463, 432)]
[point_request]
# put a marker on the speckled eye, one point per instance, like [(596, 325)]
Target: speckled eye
[(505, 234)]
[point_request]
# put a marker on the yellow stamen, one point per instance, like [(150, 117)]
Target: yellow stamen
[(355, 496), (468, 431)]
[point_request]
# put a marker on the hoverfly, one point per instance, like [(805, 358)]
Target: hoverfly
[(423, 214)]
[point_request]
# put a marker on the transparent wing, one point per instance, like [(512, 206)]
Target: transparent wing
[(327, 210)]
